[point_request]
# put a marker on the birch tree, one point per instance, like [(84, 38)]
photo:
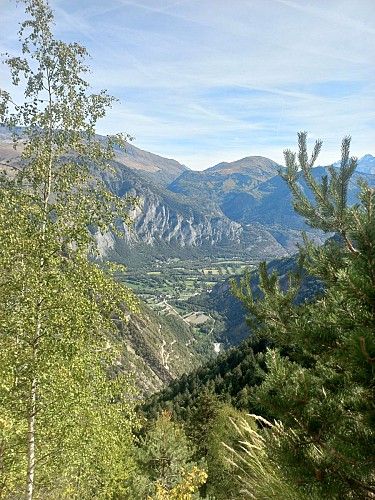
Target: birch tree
[(65, 417)]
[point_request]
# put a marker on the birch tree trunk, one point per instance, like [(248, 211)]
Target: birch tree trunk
[(62, 415)]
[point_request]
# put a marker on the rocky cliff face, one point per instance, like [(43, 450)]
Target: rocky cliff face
[(156, 221), (201, 220), (165, 217), (241, 208), (193, 215)]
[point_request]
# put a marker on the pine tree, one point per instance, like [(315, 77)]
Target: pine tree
[(66, 415), (165, 459), (208, 426), (319, 384)]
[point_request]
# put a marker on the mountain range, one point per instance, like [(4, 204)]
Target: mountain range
[(239, 209)]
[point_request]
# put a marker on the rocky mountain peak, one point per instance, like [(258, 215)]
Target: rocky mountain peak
[(248, 165)]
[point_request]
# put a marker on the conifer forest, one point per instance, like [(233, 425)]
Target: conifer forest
[(286, 412)]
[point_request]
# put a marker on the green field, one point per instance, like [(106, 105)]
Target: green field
[(168, 285), (180, 282)]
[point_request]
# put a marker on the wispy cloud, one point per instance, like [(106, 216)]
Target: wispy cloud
[(333, 13), (206, 81)]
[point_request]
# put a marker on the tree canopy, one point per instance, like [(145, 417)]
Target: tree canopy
[(319, 387), (65, 404)]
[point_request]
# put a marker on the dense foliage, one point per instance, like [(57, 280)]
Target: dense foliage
[(66, 413), (166, 464), (67, 418), (308, 369), (322, 392), (230, 376)]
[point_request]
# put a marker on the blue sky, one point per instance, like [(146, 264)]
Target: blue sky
[(205, 81)]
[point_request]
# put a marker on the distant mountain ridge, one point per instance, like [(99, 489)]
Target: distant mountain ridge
[(152, 166), (234, 209), (366, 164), (225, 178), (245, 165)]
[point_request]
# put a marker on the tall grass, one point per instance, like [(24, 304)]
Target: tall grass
[(261, 477)]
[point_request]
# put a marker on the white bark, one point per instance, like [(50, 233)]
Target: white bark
[(31, 443)]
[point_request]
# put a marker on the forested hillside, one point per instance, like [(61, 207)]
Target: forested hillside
[(229, 311), (286, 414), (307, 372), (157, 349)]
